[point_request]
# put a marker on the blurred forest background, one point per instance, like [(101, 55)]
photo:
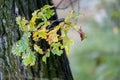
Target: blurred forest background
[(98, 56)]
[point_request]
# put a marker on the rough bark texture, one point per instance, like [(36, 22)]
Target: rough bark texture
[(11, 67)]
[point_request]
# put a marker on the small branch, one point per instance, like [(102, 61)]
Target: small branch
[(55, 22)]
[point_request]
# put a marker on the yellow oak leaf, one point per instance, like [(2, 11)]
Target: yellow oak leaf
[(40, 34), (52, 36), (38, 49)]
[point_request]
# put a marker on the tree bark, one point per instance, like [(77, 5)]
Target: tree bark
[(11, 67)]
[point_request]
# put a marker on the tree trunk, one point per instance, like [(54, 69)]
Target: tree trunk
[(11, 67)]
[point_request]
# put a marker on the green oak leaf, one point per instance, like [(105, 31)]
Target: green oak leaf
[(28, 58), (56, 48), (44, 58), (21, 45), (67, 44)]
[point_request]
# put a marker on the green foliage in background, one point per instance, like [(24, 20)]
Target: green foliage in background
[(99, 56)]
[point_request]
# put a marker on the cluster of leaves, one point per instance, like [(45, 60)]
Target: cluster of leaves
[(40, 31)]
